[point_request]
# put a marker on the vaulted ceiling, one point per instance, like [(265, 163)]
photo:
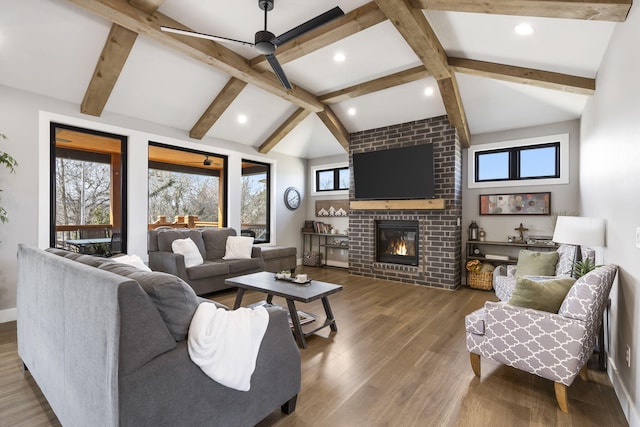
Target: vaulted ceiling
[(111, 56)]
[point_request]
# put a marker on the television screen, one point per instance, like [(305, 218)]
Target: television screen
[(397, 173)]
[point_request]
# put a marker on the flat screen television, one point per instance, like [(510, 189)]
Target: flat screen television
[(397, 173)]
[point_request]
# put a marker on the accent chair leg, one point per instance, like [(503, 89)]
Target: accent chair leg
[(475, 363), (561, 396), (584, 373), (289, 406)]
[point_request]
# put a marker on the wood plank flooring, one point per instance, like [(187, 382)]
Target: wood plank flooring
[(398, 359)]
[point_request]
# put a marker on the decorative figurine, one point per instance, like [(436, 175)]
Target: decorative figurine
[(521, 230)]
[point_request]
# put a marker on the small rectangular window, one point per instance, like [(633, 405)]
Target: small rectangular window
[(332, 179), (538, 161)]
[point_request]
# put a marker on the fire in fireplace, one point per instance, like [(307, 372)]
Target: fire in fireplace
[(397, 242)]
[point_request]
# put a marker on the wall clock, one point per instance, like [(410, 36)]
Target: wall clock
[(292, 198)]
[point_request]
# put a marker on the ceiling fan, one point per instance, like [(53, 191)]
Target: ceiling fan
[(265, 41), (206, 162)]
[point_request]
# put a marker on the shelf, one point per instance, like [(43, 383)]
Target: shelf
[(512, 244), (335, 246)]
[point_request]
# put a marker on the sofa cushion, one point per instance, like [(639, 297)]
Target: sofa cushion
[(238, 247), (175, 300), (166, 238), (188, 249), (545, 295), (215, 242), (536, 263), (208, 269), (244, 265)]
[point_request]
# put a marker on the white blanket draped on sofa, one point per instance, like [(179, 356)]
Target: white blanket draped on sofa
[(225, 344)]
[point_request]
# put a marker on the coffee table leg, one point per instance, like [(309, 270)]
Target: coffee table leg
[(329, 313), (239, 296), (269, 298), (297, 328)]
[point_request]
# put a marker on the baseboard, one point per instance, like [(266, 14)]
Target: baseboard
[(626, 402), (8, 315)]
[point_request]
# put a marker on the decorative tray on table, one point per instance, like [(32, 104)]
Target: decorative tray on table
[(292, 279)]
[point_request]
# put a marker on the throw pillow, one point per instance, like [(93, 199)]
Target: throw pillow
[(545, 295), (189, 250), (132, 260), (533, 263), (238, 247)]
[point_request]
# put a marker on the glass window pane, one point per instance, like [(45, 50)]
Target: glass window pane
[(492, 166), (538, 162), (344, 179), (325, 180), (254, 209)]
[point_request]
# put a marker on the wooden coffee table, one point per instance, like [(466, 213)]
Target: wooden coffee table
[(267, 283)]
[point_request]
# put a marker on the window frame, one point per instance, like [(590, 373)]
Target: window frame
[(336, 168), (269, 167), (515, 148)]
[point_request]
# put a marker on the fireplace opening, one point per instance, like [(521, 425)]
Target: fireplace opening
[(397, 242)]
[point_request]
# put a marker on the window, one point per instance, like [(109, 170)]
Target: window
[(88, 190), (186, 187), (332, 179), (255, 201), (526, 162)]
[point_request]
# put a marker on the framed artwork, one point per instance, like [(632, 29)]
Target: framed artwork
[(515, 204)]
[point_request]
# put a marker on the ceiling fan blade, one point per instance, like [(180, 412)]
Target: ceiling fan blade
[(203, 36), (311, 24), (277, 68)]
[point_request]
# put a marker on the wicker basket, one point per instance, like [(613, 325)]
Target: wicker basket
[(480, 280), (311, 258)]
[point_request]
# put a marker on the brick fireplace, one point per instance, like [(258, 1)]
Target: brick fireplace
[(439, 236)]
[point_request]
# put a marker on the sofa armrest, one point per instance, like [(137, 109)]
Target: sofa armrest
[(256, 252), (168, 262)]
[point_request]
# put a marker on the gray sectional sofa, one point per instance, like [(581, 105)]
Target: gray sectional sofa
[(105, 342), (211, 242)]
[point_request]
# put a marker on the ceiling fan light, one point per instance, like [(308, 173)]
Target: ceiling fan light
[(263, 42)]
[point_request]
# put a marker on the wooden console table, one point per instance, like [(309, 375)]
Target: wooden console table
[(503, 248)]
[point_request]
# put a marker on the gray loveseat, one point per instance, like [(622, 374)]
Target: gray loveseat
[(105, 343), (211, 242)]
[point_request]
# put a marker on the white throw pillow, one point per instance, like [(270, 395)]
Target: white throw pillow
[(132, 260), (189, 250), (238, 247)]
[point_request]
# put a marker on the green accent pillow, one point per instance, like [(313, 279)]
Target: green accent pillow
[(535, 263), (545, 295)]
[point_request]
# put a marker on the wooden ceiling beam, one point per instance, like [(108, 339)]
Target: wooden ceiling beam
[(351, 23), (284, 129), (226, 96), (601, 10), (527, 76), (386, 82), (414, 28), (334, 125), (111, 61), (206, 51)]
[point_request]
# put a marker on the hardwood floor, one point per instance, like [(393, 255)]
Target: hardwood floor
[(398, 359)]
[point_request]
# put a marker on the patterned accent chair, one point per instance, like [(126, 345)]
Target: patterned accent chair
[(504, 276), (552, 346)]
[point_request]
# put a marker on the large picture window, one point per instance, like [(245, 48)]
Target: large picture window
[(88, 190), (186, 187), (525, 162)]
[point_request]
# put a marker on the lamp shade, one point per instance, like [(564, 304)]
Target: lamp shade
[(577, 230)]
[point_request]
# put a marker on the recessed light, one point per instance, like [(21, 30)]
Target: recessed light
[(428, 91), (351, 111), (524, 29), (339, 57), (242, 119)]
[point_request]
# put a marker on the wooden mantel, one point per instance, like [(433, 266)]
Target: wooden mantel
[(413, 204)]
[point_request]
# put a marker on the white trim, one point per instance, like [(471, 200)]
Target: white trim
[(8, 315), (625, 399), (313, 170), (563, 138)]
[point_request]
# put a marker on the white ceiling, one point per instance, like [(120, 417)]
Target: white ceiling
[(51, 47)]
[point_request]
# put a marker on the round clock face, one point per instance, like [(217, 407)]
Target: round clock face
[(292, 198)]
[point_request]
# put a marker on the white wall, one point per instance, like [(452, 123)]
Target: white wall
[(24, 118), (564, 197), (610, 183)]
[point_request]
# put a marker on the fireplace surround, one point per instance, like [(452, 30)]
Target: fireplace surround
[(439, 238)]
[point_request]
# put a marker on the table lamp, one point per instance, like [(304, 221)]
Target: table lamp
[(579, 231)]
